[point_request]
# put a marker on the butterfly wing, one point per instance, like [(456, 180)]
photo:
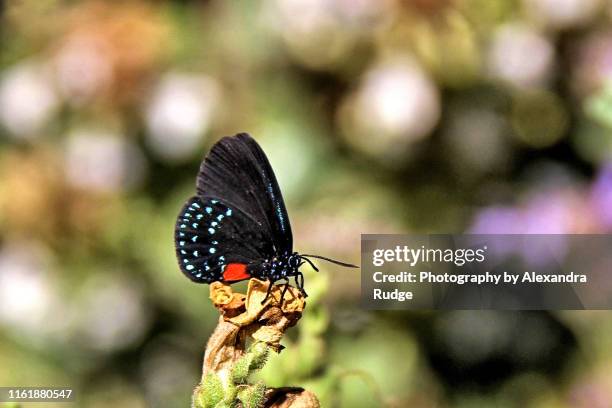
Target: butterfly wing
[(218, 242), (238, 172)]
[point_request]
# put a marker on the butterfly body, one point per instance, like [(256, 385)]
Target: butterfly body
[(280, 267), (237, 226)]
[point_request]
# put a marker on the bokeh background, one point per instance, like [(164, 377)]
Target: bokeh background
[(379, 116)]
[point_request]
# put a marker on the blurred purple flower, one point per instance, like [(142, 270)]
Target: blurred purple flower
[(601, 197), (550, 214), (498, 220), (547, 214), (592, 393)]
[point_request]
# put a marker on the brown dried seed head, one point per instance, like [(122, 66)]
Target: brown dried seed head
[(290, 398)]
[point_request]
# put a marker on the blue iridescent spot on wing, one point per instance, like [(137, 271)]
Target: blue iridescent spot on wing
[(201, 257)]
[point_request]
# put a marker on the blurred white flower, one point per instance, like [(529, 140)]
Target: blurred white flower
[(561, 14), (27, 99), (180, 112), (112, 314), (303, 18), (395, 105), (323, 33), (400, 99), (520, 56), (82, 68), (26, 292), (100, 161)]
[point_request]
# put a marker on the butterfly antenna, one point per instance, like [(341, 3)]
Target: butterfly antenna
[(310, 263), (346, 265)]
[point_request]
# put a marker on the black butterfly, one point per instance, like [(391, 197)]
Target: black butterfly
[(237, 227)]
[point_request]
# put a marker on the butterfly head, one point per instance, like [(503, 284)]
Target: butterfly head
[(294, 261)]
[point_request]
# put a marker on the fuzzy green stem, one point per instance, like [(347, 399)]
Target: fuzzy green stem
[(213, 393)]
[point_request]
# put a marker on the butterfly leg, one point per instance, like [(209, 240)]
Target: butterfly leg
[(299, 282), (268, 292), (284, 291)]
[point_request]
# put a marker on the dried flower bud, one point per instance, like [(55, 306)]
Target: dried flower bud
[(220, 293), (261, 316), (293, 302)]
